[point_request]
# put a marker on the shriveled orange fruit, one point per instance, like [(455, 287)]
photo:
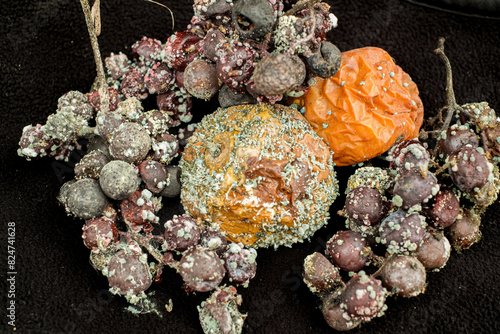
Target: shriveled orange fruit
[(261, 173), (366, 107)]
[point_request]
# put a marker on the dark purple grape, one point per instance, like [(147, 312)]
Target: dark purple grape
[(164, 148), (34, 142), (130, 143), (181, 48), (219, 314), (117, 65), (107, 123), (482, 114), (465, 231), (154, 175), (413, 187), (138, 211), (145, 48), (113, 96), (488, 194), (228, 97), (200, 79), (363, 297), (159, 78), (434, 251), (443, 210), (212, 38), (404, 276), (173, 186), (470, 170), (97, 143), (235, 64), (133, 85), (213, 239), (409, 154), (319, 274), (100, 233), (201, 269), (456, 137), (335, 316), (402, 232), (240, 263), (90, 165), (128, 272), (155, 122), (365, 206), (176, 104), (79, 104), (181, 233), (348, 250)]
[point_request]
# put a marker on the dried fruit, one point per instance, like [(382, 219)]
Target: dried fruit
[(326, 61), (278, 73), (365, 108), (253, 18)]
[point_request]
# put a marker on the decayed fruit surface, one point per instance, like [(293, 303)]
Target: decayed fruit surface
[(261, 173), (366, 107)]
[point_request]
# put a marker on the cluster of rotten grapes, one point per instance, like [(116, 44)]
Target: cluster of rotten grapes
[(436, 199), (243, 51), (118, 189)]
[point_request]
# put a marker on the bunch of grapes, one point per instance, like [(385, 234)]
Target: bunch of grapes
[(118, 189), (403, 219), (243, 51)]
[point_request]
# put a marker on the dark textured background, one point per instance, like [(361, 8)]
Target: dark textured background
[(45, 52)]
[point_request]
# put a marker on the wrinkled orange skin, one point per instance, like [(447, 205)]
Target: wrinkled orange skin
[(364, 120)]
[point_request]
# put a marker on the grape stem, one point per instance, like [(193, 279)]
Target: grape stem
[(103, 91), (444, 167), (382, 264), (300, 5), (452, 105), (144, 241)]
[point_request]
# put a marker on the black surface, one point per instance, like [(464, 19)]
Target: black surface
[(45, 52)]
